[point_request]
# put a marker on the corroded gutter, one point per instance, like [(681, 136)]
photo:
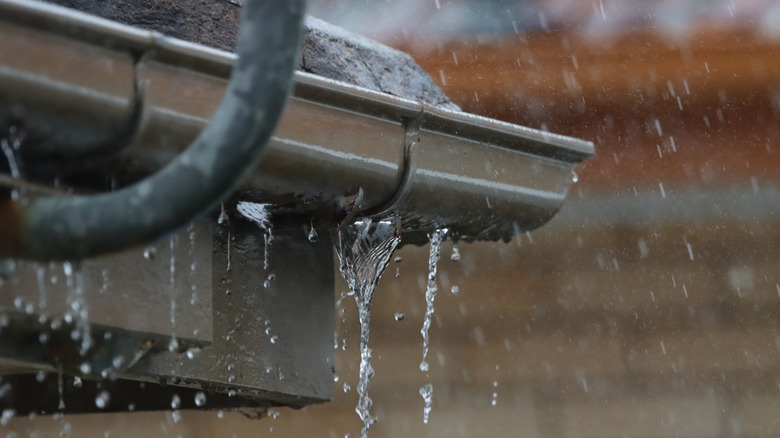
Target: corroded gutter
[(66, 75)]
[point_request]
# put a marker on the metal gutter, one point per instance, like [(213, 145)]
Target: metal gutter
[(68, 75)]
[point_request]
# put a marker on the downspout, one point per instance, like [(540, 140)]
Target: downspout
[(75, 227)]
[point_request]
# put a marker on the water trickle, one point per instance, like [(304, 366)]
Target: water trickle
[(79, 312), (40, 274), (173, 345), (261, 216), (364, 250), (426, 391), (431, 291), (61, 404), (9, 150)]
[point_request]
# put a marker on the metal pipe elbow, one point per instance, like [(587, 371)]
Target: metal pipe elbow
[(75, 227)]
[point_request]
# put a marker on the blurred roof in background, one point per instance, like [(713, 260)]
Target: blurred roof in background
[(445, 19)]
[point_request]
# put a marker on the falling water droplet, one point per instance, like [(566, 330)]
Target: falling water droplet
[(77, 382), (102, 399), (455, 289), (175, 402), (455, 257), (150, 253), (399, 316), (200, 399), (426, 391), (8, 414)]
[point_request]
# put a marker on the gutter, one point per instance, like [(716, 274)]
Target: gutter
[(136, 99)]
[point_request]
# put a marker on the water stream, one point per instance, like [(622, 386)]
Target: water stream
[(431, 291), (364, 250)]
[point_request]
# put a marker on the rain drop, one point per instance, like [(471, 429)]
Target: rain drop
[(102, 399), (175, 402), (8, 414), (455, 257), (150, 253), (399, 316), (200, 399)]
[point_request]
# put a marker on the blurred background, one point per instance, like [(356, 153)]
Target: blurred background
[(648, 307)]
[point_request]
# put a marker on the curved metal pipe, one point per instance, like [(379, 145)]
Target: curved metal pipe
[(57, 228)]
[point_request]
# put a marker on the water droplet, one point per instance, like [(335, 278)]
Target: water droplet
[(40, 376), (399, 316), (8, 414), (200, 399), (223, 216), (85, 368), (102, 399), (426, 391), (455, 289), (118, 361), (313, 236), (176, 416), (77, 382), (173, 345), (398, 259), (347, 387), (150, 253), (274, 339), (220, 414), (175, 402), (455, 257)]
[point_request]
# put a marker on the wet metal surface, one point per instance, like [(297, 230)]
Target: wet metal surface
[(488, 180)]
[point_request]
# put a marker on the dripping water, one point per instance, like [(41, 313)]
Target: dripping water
[(364, 250), (224, 219), (78, 309), (61, 404), (261, 216), (173, 344), (426, 391), (9, 150), (430, 291)]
